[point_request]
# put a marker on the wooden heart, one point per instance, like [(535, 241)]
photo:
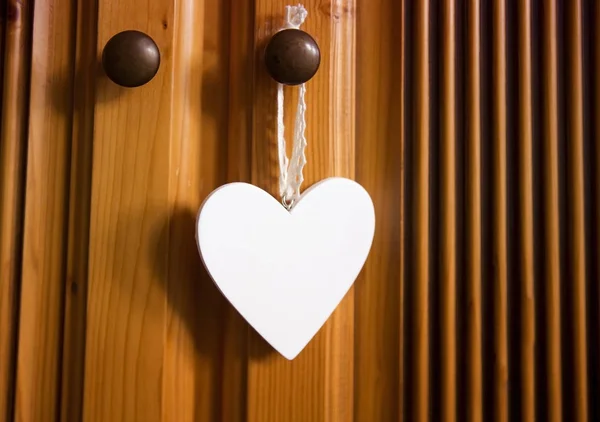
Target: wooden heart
[(286, 271)]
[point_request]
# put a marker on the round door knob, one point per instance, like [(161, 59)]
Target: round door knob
[(292, 57), (131, 58)]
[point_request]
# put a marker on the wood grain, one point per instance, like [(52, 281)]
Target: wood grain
[(447, 272), (552, 264), (527, 299), (192, 387), (318, 384), (500, 259), (341, 109), (241, 69), (576, 208), (84, 84), (379, 163), (473, 216), (46, 212), (15, 50), (100, 185), (129, 229), (419, 202)]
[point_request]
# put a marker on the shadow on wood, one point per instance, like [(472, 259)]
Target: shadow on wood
[(189, 288)]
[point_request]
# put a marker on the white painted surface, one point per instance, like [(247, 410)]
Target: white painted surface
[(286, 272)]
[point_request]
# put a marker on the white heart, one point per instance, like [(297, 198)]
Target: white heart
[(286, 271)]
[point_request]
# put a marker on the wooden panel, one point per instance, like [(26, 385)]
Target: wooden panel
[(492, 133), (474, 368), (241, 70), (150, 301), (84, 84), (318, 384), (341, 110), (196, 311), (527, 299), (15, 33), (418, 244), (448, 203), (552, 264), (378, 363), (575, 212), (46, 212), (499, 248), (530, 204), (128, 252)]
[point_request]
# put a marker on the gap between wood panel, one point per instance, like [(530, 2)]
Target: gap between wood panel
[(15, 59), (379, 296), (75, 302), (46, 211)]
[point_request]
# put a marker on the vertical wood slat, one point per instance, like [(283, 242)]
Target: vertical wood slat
[(46, 212), (500, 262), (527, 340), (552, 239), (575, 204), (339, 346), (192, 387), (402, 286), (129, 245), (379, 160), (278, 389), (73, 351), (15, 50), (420, 212), (473, 220), (448, 216), (550, 382), (241, 69)]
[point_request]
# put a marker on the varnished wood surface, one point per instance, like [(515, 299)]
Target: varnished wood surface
[(76, 278), (418, 200), (46, 210), (15, 54), (318, 384), (240, 129), (128, 254), (526, 227), (417, 312), (192, 385), (552, 235), (498, 274), (340, 354), (448, 203), (576, 289), (472, 125), (378, 365), (473, 229)]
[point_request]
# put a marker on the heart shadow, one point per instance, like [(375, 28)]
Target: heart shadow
[(212, 321)]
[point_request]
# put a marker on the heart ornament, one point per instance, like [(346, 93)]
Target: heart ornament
[(286, 271)]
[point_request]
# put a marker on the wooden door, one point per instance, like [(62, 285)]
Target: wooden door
[(473, 125), (117, 319)]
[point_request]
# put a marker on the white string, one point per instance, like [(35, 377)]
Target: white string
[(290, 171)]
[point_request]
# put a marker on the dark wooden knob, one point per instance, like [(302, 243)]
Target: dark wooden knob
[(292, 57), (131, 58)]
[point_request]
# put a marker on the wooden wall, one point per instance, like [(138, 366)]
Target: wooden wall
[(474, 125)]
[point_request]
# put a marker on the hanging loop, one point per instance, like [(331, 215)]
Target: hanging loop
[(290, 170)]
